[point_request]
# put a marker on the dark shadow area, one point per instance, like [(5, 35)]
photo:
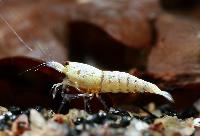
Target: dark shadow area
[(89, 44), (179, 4)]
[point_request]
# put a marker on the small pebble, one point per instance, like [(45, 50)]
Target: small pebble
[(3, 110)]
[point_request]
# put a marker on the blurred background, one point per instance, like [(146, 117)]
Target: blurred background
[(160, 36), (157, 40)]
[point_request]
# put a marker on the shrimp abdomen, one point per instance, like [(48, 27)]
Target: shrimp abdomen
[(121, 82)]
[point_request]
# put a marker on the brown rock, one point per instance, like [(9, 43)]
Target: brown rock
[(177, 51)]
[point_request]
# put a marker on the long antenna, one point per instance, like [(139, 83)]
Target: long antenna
[(36, 68), (13, 30)]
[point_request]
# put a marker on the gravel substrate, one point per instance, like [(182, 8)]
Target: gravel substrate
[(147, 121)]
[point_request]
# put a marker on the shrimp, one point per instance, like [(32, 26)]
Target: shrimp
[(91, 80)]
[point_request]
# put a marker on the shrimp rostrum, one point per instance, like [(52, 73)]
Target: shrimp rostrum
[(91, 80)]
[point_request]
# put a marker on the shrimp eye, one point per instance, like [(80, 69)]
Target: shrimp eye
[(66, 62)]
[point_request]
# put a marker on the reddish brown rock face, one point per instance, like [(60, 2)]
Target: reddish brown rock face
[(177, 50)]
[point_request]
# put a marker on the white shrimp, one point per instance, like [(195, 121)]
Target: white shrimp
[(91, 80)]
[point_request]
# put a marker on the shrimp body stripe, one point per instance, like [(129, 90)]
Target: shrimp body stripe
[(114, 81)]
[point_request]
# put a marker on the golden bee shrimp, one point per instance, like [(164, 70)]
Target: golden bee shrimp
[(91, 80)]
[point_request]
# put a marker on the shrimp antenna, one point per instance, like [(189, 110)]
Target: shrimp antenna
[(36, 68), (16, 34), (43, 52), (24, 43)]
